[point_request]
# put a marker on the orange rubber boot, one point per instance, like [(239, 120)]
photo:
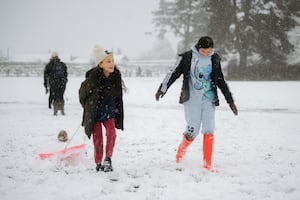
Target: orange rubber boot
[(208, 140), (182, 148)]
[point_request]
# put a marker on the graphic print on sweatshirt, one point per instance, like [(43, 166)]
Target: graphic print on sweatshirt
[(202, 80)]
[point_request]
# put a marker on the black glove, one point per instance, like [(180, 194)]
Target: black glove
[(158, 95), (233, 108), (47, 90)]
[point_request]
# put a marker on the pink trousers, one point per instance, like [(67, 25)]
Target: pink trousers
[(98, 139)]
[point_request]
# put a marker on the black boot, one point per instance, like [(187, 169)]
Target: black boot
[(99, 167), (107, 166)]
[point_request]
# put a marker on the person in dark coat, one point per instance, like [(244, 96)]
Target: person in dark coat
[(202, 75), (55, 80), (100, 95)]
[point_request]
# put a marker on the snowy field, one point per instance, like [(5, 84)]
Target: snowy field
[(257, 152)]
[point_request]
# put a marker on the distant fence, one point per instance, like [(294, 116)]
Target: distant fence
[(136, 68), (264, 72), (24, 69), (155, 68)]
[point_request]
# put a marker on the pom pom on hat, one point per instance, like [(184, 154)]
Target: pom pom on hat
[(100, 54)]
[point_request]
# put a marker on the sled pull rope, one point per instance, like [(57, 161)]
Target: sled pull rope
[(73, 136)]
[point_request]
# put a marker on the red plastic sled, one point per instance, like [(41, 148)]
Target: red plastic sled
[(63, 153)]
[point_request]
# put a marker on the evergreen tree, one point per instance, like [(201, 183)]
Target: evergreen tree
[(253, 28), (220, 24), (274, 20), (185, 18), (245, 27)]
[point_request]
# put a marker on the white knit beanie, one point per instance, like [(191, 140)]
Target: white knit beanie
[(54, 54), (99, 54)]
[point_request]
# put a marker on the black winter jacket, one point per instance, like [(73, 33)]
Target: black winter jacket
[(55, 73), (184, 66), (89, 97)]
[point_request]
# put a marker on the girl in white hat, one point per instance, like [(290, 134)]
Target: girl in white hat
[(101, 98)]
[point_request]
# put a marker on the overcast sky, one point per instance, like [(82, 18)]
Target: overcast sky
[(74, 26)]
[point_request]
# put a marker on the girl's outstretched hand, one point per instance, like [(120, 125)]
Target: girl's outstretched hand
[(158, 95), (233, 108)]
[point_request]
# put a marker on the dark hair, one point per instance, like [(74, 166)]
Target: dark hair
[(205, 42)]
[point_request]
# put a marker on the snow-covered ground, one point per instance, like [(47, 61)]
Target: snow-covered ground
[(257, 153)]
